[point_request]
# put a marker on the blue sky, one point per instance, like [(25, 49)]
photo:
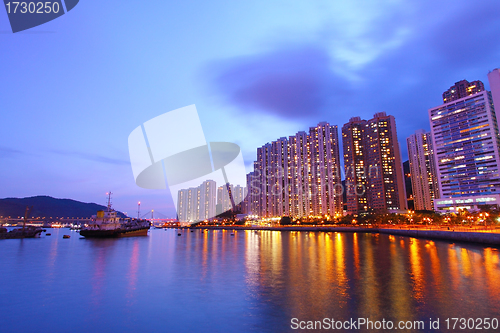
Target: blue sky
[(73, 89)]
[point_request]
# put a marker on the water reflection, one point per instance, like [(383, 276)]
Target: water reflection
[(399, 290), (491, 267), (335, 275), (134, 265), (99, 275), (417, 274), (241, 281)]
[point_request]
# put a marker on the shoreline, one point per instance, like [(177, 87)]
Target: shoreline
[(483, 238), (475, 237)]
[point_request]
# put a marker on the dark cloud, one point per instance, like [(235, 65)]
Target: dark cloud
[(410, 80), (297, 82), (8, 152), (291, 82)]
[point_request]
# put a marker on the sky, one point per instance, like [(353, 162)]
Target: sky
[(73, 89)]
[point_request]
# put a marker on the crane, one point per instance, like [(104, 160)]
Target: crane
[(26, 215)]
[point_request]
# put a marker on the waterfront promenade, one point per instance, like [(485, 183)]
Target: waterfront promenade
[(471, 234)]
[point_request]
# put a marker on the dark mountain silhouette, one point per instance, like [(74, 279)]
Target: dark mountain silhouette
[(45, 206)]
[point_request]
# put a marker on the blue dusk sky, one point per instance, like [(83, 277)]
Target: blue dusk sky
[(73, 89)]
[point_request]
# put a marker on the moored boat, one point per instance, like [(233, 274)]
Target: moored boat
[(107, 224), (24, 232), (27, 232)]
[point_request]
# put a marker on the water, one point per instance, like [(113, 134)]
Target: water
[(249, 282)]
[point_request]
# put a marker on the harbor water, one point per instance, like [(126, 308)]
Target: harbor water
[(240, 281)]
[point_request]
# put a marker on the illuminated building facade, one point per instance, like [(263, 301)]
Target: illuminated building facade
[(253, 197), (494, 80), (374, 172), (187, 205), (239, 195), (466, 141), (200, 203), (462, 89), (356, 182), (386, 187), (206, 200), (471, 203), (224, 198), (298, 176), (422, 170)]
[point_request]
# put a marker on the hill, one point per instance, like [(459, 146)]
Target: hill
[(45, 206)]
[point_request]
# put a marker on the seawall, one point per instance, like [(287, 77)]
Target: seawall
[(454, 236), (292, 228), (486, 238)]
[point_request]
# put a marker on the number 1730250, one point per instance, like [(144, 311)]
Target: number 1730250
[(471, 323), (33, 7)]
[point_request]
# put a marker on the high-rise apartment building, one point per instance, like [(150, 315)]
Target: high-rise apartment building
[(253, 187), (387, 189), (462, 89), (373, 162), (207, 200), (187, 205), (466, 143), (298, 176), (326, 177), (356, 182), (239, 194), (422, 170), (224, 198), (494, 80)]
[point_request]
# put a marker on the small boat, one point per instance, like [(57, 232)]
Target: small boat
[(48, 234), (179, 234), (66, 236)]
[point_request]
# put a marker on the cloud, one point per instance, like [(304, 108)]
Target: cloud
[(294, 81), (8, 152), (414, 56), (93, 157)]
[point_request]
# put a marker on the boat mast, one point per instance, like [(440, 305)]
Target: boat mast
[(109, 201), (138, 210)]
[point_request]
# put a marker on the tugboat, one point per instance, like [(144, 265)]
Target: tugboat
[(107, 224)]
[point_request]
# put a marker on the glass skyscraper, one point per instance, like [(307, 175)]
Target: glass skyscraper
[(466, 141)]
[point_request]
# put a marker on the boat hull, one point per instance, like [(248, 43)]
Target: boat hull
[(114, 233), (28, 232)]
